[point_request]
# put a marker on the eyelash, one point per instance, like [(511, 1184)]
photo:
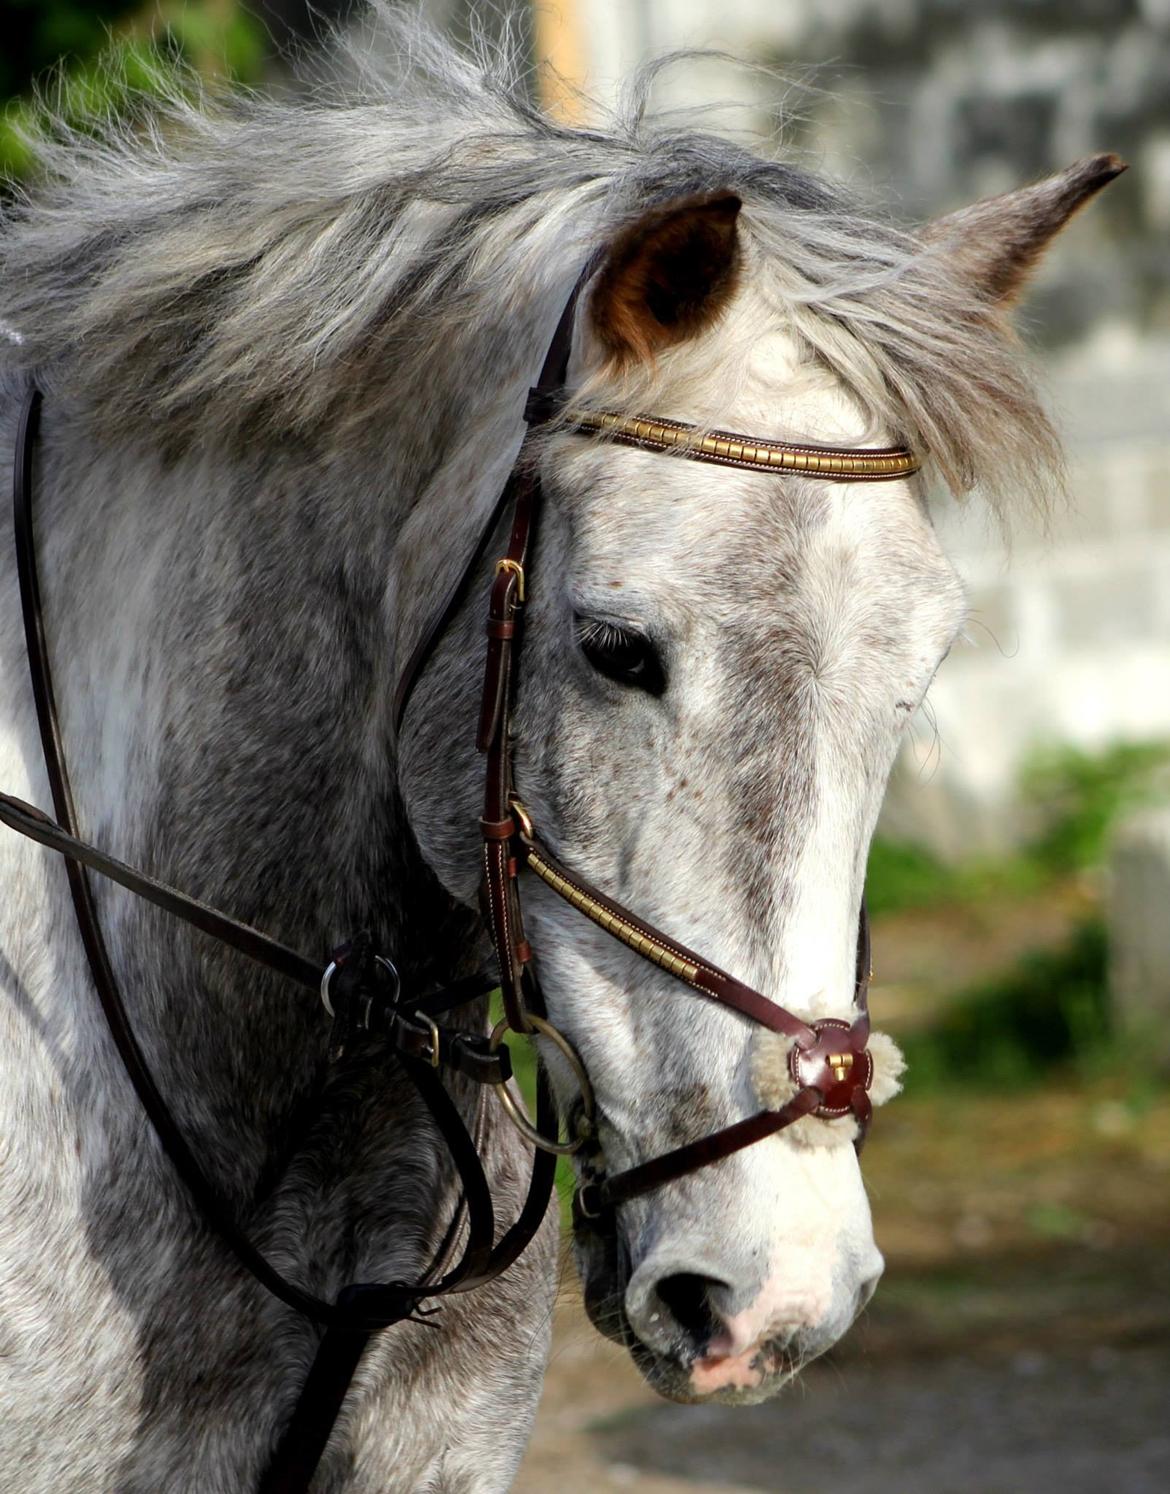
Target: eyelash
[(623, 655), (595, 630)]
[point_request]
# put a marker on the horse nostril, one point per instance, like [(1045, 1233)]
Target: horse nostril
[(865, 1291), (687, 1298)]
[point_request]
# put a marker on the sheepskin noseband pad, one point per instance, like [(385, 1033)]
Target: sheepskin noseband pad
[(853, 1069)]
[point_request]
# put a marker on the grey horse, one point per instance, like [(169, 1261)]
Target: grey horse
[(284, 347)]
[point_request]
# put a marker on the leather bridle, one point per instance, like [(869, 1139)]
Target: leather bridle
[(360, 988), (828, 1059)]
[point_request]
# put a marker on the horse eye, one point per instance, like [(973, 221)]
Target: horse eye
[(621, 654)]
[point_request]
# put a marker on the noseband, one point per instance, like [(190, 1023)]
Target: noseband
[(360, 988)]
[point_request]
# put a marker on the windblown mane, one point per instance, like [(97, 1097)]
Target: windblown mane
[(250, 269)]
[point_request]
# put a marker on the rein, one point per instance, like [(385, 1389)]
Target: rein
[(360, 988)]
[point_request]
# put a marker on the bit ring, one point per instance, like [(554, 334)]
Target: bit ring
[(515, 1111)]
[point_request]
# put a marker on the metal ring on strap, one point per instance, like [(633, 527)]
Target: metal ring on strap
[(515, 1111), (388, 966)]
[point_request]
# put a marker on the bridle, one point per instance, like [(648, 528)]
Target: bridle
[(828, 1059), (360, 987)]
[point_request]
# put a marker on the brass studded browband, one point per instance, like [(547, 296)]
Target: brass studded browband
[(856, 464)]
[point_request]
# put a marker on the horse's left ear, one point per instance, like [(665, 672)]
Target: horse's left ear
[(995, 243), (666, 276)]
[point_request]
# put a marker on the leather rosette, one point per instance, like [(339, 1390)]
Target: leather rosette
[(851, 1068)]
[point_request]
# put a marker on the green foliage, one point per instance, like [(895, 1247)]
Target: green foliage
[(1081, 795), (1075, 797), (82, 94), (37, 33), (902, 875), (1050, 1009), (89, 62)]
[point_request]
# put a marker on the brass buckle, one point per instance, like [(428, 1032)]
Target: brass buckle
[(517, 570), (436, 1038), (515, 1111), (523, 819)]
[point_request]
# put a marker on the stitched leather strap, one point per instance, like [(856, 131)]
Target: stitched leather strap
[(466, 1053), (659, 948), (504, 633), (501, 896), (541, 405), (595, 1198), (751, 453)]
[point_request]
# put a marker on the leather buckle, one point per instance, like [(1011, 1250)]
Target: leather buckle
[(420, 1036), (472, 1056), (523, 820), (587, 1203), (436, 1054)]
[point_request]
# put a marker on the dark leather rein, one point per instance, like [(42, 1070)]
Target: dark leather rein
[(360, 988)]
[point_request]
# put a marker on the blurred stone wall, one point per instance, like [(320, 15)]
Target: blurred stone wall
[(928, 104), (932, 103), (1069, 634)]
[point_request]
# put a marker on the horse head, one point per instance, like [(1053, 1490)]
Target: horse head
[(719, 663)]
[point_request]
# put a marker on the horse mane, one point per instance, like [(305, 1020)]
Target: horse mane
[(249, 269)]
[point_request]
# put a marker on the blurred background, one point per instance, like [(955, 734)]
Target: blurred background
[(1020, 881)]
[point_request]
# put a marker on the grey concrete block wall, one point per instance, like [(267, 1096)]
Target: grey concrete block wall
[(929, 104), (1069, 638)]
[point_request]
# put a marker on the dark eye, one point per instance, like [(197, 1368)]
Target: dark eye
[(621, 654)]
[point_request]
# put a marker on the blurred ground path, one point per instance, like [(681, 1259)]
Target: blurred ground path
[(1020, 1341)]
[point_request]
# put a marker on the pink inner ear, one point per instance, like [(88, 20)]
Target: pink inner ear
[(667, 276)]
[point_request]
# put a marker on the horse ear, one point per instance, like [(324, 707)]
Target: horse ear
[(666, 276), (995, 243)]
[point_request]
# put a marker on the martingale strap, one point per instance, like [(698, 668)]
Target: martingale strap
[(409, 1025), (363, 1005), (366, 1308)]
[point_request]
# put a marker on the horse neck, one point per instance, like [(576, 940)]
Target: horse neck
[(222, 640), (226, 629)]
